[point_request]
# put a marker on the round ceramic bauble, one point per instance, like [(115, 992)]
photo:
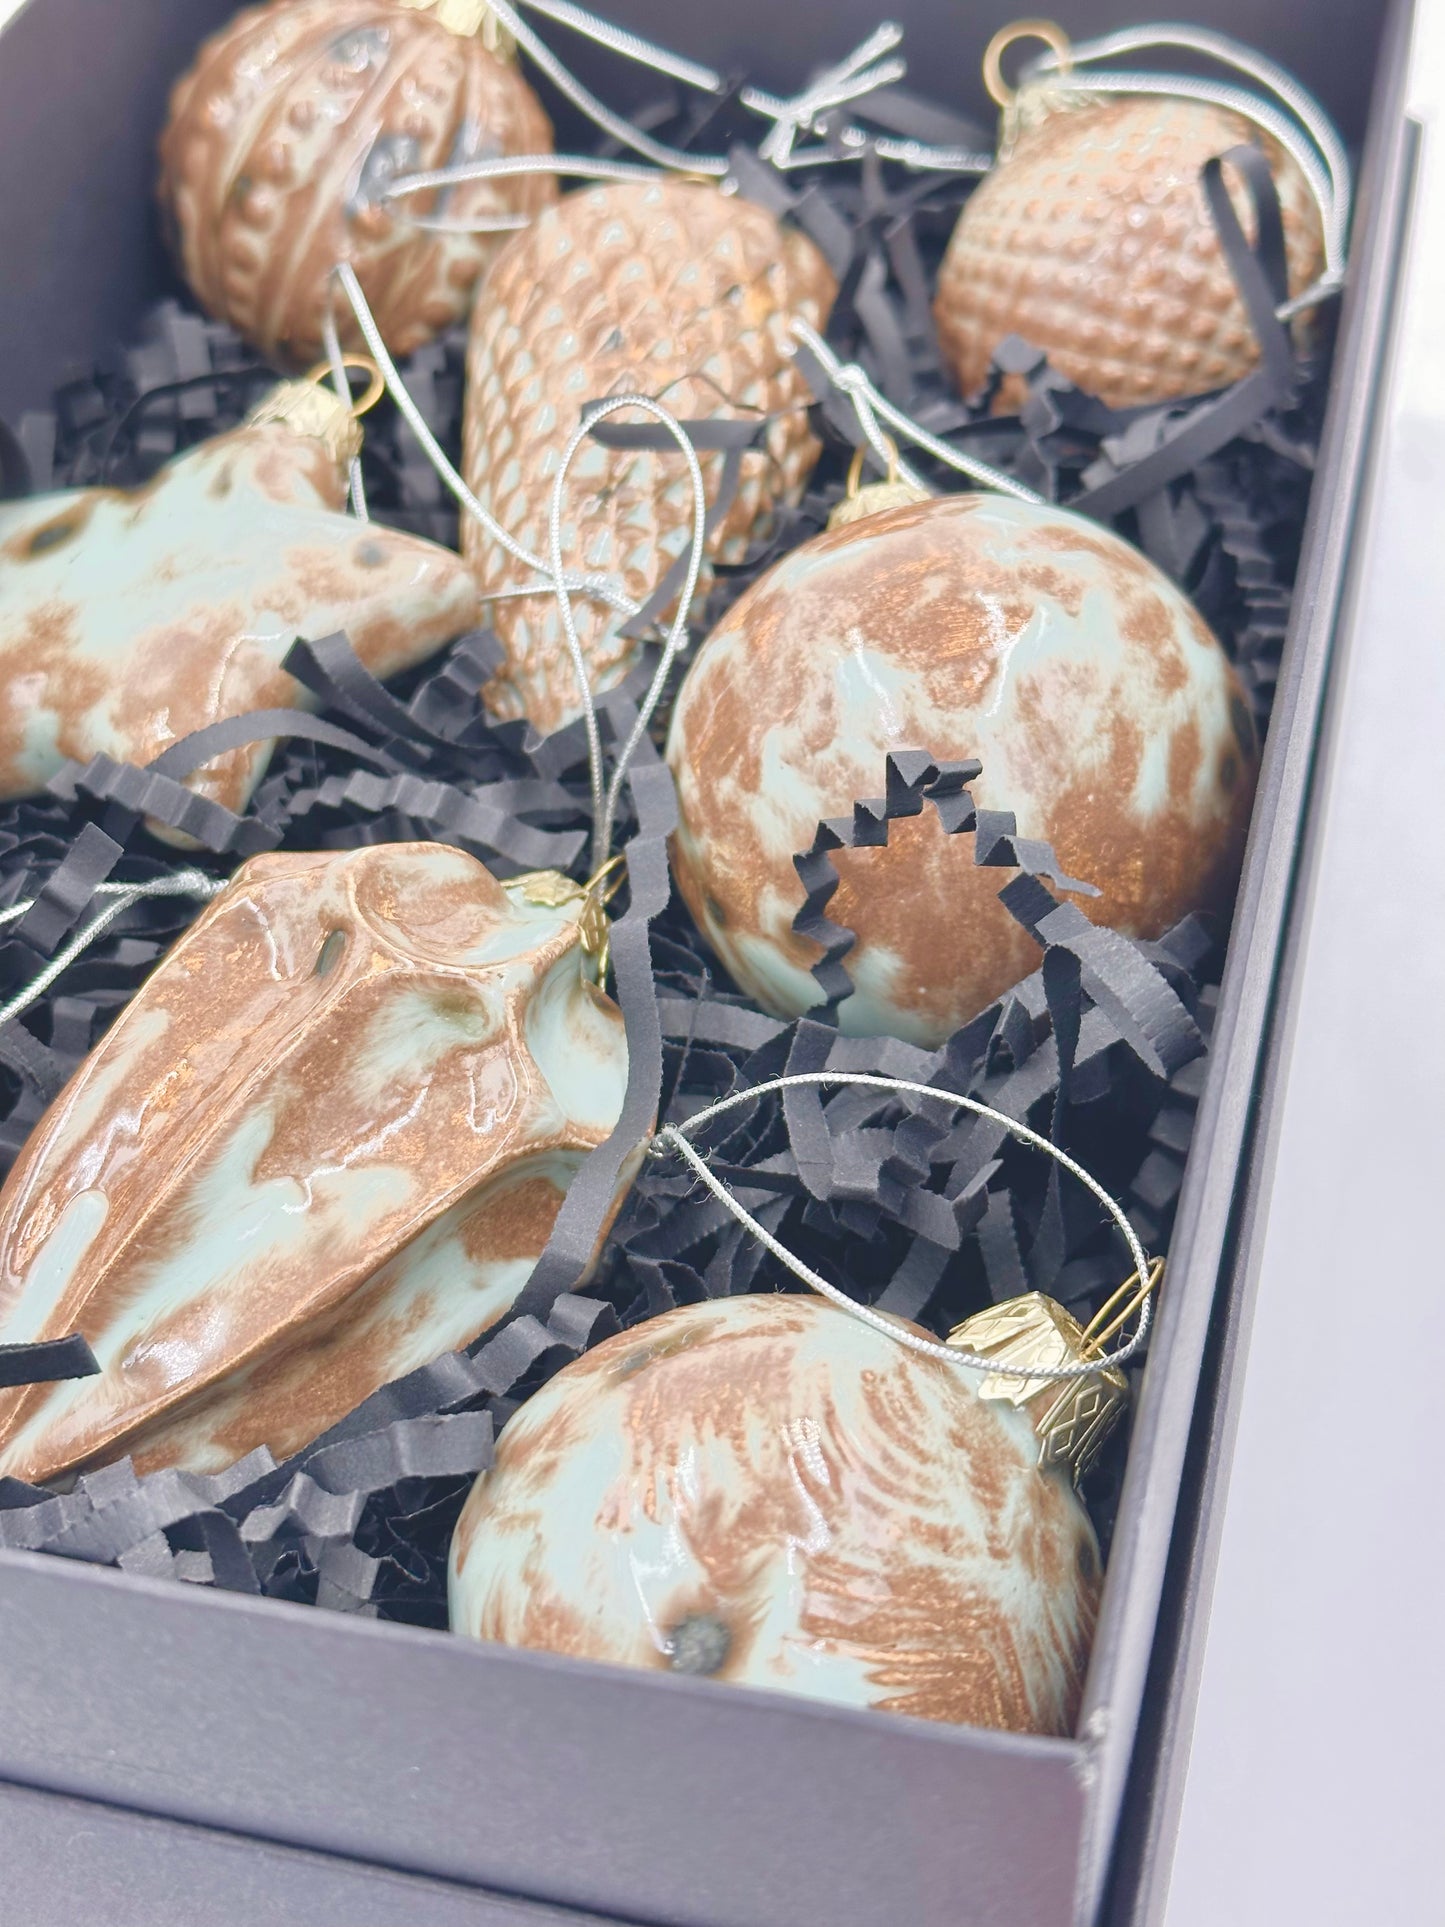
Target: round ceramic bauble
[(1104, 712), (1092, 239), (284, 136), (767, 1490)]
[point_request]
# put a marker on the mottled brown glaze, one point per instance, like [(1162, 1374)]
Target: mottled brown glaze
[(324, 1144), (130, 618), (771, 1492), (1105, 715), (1093, 240), (672, 290), (282, 135)]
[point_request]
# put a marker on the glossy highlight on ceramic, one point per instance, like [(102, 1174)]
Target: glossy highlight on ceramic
[(1104, 712), (282, 139), (1092, 239), (670, 289), (323, 1145), (766, 1490), (129, 618)]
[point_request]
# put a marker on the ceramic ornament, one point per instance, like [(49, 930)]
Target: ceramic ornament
[(287, 131), (766, 1490), (129, 619), (322, 1146), (1104, 712), (671, 289), (1092, 239)]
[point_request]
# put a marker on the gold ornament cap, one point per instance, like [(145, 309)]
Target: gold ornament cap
[(861, 501), (1072, 1416), (312, 407), (467, 19), (1023, 107)]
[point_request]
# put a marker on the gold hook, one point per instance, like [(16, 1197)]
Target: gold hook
[(1106, 1321), (855, 467), (375, 387), (596, 932), (1053, 37)]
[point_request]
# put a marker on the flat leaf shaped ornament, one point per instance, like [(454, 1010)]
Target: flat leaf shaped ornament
[(324, 1145), (129, 618)]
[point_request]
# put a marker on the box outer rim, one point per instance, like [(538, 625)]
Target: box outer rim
[(1118, 1669), (1239, 1095)]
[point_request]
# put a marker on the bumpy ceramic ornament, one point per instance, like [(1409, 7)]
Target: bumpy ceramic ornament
[(323, 1145), (767, 1490), (1104, 712), (669, 289), (284, 135), (1092, 239), (130, 618)]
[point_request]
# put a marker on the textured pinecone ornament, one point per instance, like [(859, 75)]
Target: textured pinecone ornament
[(287, 130), (1092, 239), (767, 1490), (670, 289)]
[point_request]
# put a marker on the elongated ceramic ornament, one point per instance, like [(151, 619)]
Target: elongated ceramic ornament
[(129, 619), (1092, 239), (669, 289), (287, 131), (1104, 712), (323, 1145), (767, 1490)]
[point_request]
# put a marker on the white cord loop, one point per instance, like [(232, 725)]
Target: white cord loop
[(184, 883), (673, 1137), (1319, 154), (868, 404)]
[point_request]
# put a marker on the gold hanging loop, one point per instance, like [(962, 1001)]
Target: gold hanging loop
[(320, 375), (1109, 1319), (1053, 37)]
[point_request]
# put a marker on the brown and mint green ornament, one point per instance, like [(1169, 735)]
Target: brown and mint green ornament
[(285, 135), (130, 618), (768, 1491), (1105, 714)]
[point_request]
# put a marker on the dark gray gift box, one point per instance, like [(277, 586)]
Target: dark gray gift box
[(172, 1754)]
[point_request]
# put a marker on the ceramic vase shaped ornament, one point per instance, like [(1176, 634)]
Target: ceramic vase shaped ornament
[(322, 1146), (1092, 238), (670, 289), (285, 136), (767, 1490), (128, 619), (1104, 712)]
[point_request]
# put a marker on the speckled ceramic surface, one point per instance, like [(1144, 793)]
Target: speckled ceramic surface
[(282, 134), (769, 1491), (1093, 240), (129, 619), (671, 290), (1105, 714), (324, 1144)]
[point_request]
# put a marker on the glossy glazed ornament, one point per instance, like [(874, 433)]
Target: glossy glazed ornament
[(1104, 712), (767, 1490), (1092, 239), (324, 1144), (285, 134), (669, 289), (130, 618)]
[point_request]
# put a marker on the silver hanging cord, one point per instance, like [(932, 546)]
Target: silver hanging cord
[(605, 797), (185, 883), (601, 588), (859, 73), (674, 1137), (1320, 156), (331, 342), (632, 46), (575, 166), (869, 405)]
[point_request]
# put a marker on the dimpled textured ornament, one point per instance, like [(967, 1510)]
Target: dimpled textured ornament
[(669, 289), (770, 1491), (1105, 714), (288, 129), (323, 1145), (127, 620), (1092, 239)]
